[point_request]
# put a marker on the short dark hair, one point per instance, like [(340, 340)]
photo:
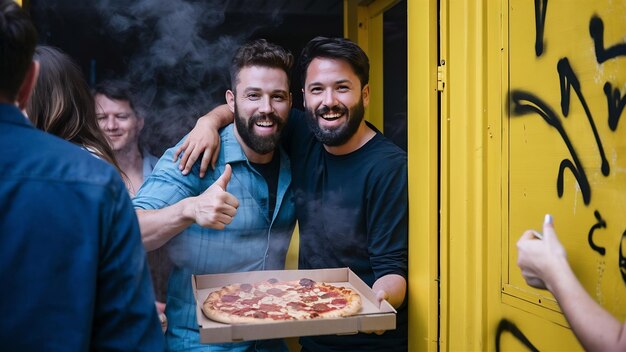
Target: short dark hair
[(336, 48), (260, 53), (116, 90), (18, 39)]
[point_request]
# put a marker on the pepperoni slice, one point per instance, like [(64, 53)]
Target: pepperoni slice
[(245, 287), (283, 316), (241, 311), (330, 294), (275, 292), (272, 281), (229, 298), (306, 282), (339, 302), (321, 307), (250, 301), (269, 307), (260, 294), (309, 299), (297, 305)]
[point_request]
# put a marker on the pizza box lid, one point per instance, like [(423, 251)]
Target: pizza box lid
[(371, 317)]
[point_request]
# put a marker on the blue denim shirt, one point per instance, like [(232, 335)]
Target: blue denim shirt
[(251, 242), (149, 162), (72, 266)]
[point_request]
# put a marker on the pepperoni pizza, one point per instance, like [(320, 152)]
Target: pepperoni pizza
[(273, 300)]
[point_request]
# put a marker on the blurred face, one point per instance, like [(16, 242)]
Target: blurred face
[(119, 123), (261, 103), (334, 100)]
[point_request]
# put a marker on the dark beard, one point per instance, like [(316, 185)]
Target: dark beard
[(338, 136), (260, 144)]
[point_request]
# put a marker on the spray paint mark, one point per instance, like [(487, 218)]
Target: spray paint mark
[(568, 81), (541, 7), (507, 326), (525, 103), (622, 257), (598, 225), (596, 30), (615, 103)]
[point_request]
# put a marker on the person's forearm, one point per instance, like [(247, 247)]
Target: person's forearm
[(595, 328), (395, 287), (159, 226), (218, 117)]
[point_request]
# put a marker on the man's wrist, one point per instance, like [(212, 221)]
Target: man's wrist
[(188, 211)]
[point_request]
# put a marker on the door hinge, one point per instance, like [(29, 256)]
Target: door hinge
[(441, 77)]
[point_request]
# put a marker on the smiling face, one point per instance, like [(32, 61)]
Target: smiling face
[(119, 123), (334, 100), (261, 104)]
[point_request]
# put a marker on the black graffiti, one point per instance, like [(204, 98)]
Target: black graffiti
[(615, 103), (525, 103), (598, 225), (622, 257), (541, 7), (507, 326), (596, 30), (569, 80)]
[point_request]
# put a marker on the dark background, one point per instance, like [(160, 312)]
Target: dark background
[(176, 52)]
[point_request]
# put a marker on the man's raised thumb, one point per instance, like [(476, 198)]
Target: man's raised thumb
[(224, 178)]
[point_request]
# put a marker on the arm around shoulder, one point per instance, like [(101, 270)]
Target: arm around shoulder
[(204, 140)]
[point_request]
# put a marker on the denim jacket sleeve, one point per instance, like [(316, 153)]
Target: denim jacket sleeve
[(125, 316)]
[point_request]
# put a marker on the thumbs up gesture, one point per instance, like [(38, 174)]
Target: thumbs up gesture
[(541, 257), (215, 207)]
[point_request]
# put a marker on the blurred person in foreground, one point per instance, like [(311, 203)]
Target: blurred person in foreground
[(120, 120), (350, 184), (241, 216), (71, 258), (544, 265)]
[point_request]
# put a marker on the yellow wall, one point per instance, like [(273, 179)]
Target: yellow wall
[(500, 168), (568, 155), (423, 182)]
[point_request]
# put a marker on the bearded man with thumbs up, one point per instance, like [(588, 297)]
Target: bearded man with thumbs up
[(241, 215)]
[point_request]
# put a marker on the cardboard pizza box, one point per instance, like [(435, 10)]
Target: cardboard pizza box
[(371, 317)]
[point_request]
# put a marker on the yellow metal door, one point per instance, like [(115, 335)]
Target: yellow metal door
[(530, 124)]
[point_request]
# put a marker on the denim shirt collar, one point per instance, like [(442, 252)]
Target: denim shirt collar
[(9, 113), (233, 153), (231, 148)]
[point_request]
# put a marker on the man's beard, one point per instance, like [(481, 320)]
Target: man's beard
[(340, 135), (260, 144)]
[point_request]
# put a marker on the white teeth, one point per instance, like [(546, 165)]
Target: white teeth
[(331, 116), (265, 123)]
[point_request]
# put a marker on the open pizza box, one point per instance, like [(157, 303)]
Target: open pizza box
[(371, 317)]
